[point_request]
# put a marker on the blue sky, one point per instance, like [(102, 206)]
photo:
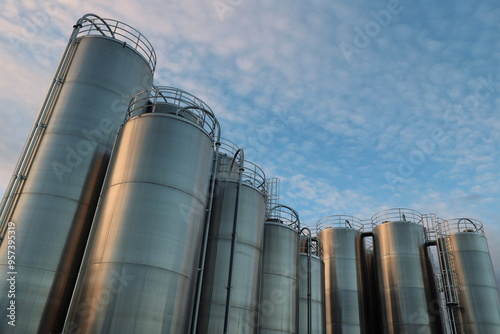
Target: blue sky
[(357, 106)]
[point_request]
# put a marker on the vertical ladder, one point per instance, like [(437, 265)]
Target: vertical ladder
[(448, 272), (273, 196)]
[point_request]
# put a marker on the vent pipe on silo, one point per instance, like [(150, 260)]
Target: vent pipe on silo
[(311, 285)]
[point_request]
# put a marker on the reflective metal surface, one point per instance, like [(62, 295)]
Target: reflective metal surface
[(408, 297), (371, 308), (279, 296), (479, 302), (53, 209), (341, 241), (311, 282), (247, 264), (139, 269)]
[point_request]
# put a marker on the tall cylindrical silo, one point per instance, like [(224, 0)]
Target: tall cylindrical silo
[(341, 239), (407, 290), (231, 278), (311, 275), (279, 294), (139, 270), (53, 194), (478, 297)]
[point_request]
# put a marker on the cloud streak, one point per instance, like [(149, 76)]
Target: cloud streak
[(423, 93)]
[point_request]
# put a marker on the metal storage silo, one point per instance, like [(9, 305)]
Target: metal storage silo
[(279, 294), (311, 285), (478, 309), (407, 291), (231, 277), (139, 270), (341, 239), (52, 196)]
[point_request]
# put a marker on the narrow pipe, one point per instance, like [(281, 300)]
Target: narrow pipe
[(201, 268), (233, 240), (309, 287)]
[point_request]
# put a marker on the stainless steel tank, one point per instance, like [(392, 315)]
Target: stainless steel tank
[(408, 296), (478, 297), (341, 239), (139, 270), (311, 286), (231, 279), (53, 194), (279, 295)]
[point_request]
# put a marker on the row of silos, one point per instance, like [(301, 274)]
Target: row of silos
[(388, 285), (169, 229), (172, 220)]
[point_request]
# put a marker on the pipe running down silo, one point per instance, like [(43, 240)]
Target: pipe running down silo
[(311, 285), (341, 239), (52, 197), (407, 289), (279, 295), (472, 296), (145, 244), (371, 304), (231, 279)]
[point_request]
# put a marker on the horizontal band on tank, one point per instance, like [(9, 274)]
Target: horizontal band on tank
[(280, 224), (312, 256), (136, 264)]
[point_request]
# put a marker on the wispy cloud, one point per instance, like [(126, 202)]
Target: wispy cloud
[(406, 104)]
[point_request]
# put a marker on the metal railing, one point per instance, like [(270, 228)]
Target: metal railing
[(284, 215), (429, 223), (344, 221), (186, 105), (397, 214), (309, 244), (460, 225), (229, 164), (91, 24)]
